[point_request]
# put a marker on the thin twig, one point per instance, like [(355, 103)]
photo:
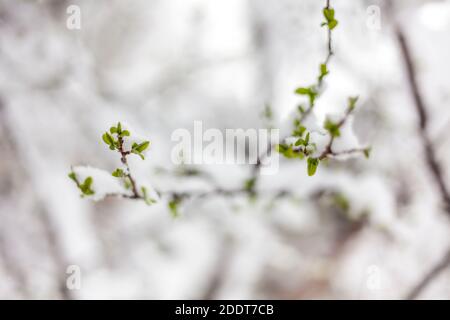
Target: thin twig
[(328, 149), (319, 86), (123, 158)]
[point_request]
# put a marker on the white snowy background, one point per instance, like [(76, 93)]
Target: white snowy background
[(159, 65)]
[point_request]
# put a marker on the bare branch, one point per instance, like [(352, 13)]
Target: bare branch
[(443, 264), (429, 149), (124, 160), (430, 154)]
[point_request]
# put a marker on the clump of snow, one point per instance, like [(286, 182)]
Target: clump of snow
[(347, 139), (311, 123), (319, 137), (151, 191), (103, 182), (320, 140)]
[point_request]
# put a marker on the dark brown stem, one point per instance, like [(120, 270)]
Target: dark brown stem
[(123, 158), (328, 149)]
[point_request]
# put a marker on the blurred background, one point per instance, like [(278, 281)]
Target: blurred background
[(358, 229)]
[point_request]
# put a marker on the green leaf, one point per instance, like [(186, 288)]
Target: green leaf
[(73, 177), (127, 183), (118, 173), (288, 152), (342, 202), (125, 133), (299, 131), (109, 140), (352, 102), (323, 71), (113, 130), (86, 186), (332, 128), (367, 152), (88, 182), (249, 184), (139, 154), (119, 127), (310, 92), (313, 163), (138, 148), (281, 148), (328, 14), (141, 147), (149, 201), (303, 91), (332, 24), (173, 207), (106, 139)]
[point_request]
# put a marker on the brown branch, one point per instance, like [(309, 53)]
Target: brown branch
[(433, 165), (328, 149), (443, 264), (204, 194), (429, 149), (51, 234), (222, 264), (123, 158), (319, 85)]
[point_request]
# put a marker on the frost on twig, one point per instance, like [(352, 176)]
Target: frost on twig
[(311, 140), (98, 184)]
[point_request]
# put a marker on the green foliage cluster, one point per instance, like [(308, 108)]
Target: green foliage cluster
[(114, 139), (116, 143), (330, 21), (85, 186), (303, 147)]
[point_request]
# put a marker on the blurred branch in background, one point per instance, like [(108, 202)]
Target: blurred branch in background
[(443, 264), (429, 149), (8, 251), (434, 167)]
